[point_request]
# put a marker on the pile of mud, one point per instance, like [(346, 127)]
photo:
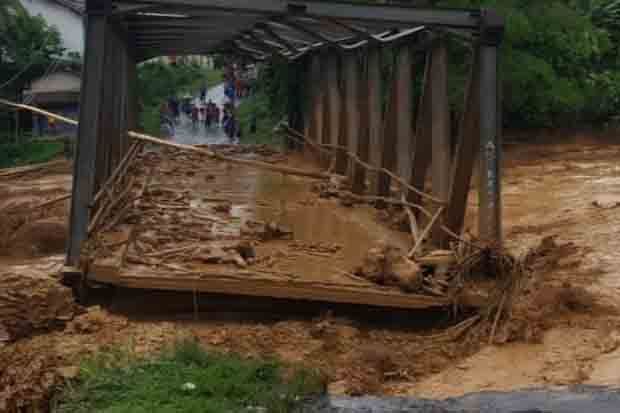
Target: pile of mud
[(31, 300)]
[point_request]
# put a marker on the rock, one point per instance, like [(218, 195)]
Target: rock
[(273, 230), (246, 250), (347, 200), (606, 202), (223, 207), (234, 258), (408, 274), (339, 387)]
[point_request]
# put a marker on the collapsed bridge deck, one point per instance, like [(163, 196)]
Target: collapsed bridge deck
[(194, 224)]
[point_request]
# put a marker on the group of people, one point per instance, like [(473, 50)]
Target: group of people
[(235, 87), (209, 114)]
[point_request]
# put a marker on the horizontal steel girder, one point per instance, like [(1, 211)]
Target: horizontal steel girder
[(456, 18)]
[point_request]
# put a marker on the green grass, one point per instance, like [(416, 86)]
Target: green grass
[(258, 105), (12, 154), (115, 382)]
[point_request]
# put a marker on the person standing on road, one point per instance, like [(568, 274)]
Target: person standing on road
[(194, 116), (216, 111), (166, 121)]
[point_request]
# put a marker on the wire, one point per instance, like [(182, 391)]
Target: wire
[(51, 69), (32, 60)]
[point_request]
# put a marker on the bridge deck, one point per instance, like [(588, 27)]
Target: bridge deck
[(185, 231)]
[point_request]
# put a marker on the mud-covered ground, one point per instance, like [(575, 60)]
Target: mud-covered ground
[(568, 192)]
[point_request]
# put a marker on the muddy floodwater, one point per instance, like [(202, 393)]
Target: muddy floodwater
[(568, 192)]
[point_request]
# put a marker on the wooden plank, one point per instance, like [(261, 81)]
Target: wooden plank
[(441, 165), (466, 150), (351, 87), (88, 131), (252, 285), (423, 140), (404, 111), (363, 143), (374, 109), (109, 268), (388, 149)]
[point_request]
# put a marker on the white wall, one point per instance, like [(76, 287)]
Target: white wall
[(57, 82), (67, 22)]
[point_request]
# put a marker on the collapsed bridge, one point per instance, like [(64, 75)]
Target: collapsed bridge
[(342, 107)]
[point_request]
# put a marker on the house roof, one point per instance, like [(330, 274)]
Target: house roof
[(77, 6)]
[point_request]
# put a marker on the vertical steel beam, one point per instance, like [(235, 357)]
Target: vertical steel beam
[(388, 149), (314, 102), (374, 113), (88, 129), (441, 164), (295, 100), (404, 111), (333, 93), (363, 142), (489, 192), (325, 103), (466, 150), (133, 109), (489, 220), (423, 142), (351, 81)]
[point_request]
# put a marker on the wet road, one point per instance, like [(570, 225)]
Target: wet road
[(186, 133), (577, 400)]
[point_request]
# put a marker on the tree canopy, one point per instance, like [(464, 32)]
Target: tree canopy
[(559, 59), (28, 45)]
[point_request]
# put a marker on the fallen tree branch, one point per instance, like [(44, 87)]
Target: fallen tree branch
[(21, 170), (120, 170), (223, 158), (413, 223), (366, 165), (425, 233)]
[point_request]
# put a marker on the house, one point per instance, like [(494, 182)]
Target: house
[(58, 92)]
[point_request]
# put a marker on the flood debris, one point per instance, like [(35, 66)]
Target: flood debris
[(30, 301), (386, 264)]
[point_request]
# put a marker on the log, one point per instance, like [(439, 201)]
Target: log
[(21, 170), (258, 164)]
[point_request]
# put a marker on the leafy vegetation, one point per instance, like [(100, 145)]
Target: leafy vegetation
[(560, 64), (184, 379), (158, 81), (255, 109), (14, 154), (268, 103)]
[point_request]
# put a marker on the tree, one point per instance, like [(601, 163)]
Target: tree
[(555, 61), (28, 45)]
